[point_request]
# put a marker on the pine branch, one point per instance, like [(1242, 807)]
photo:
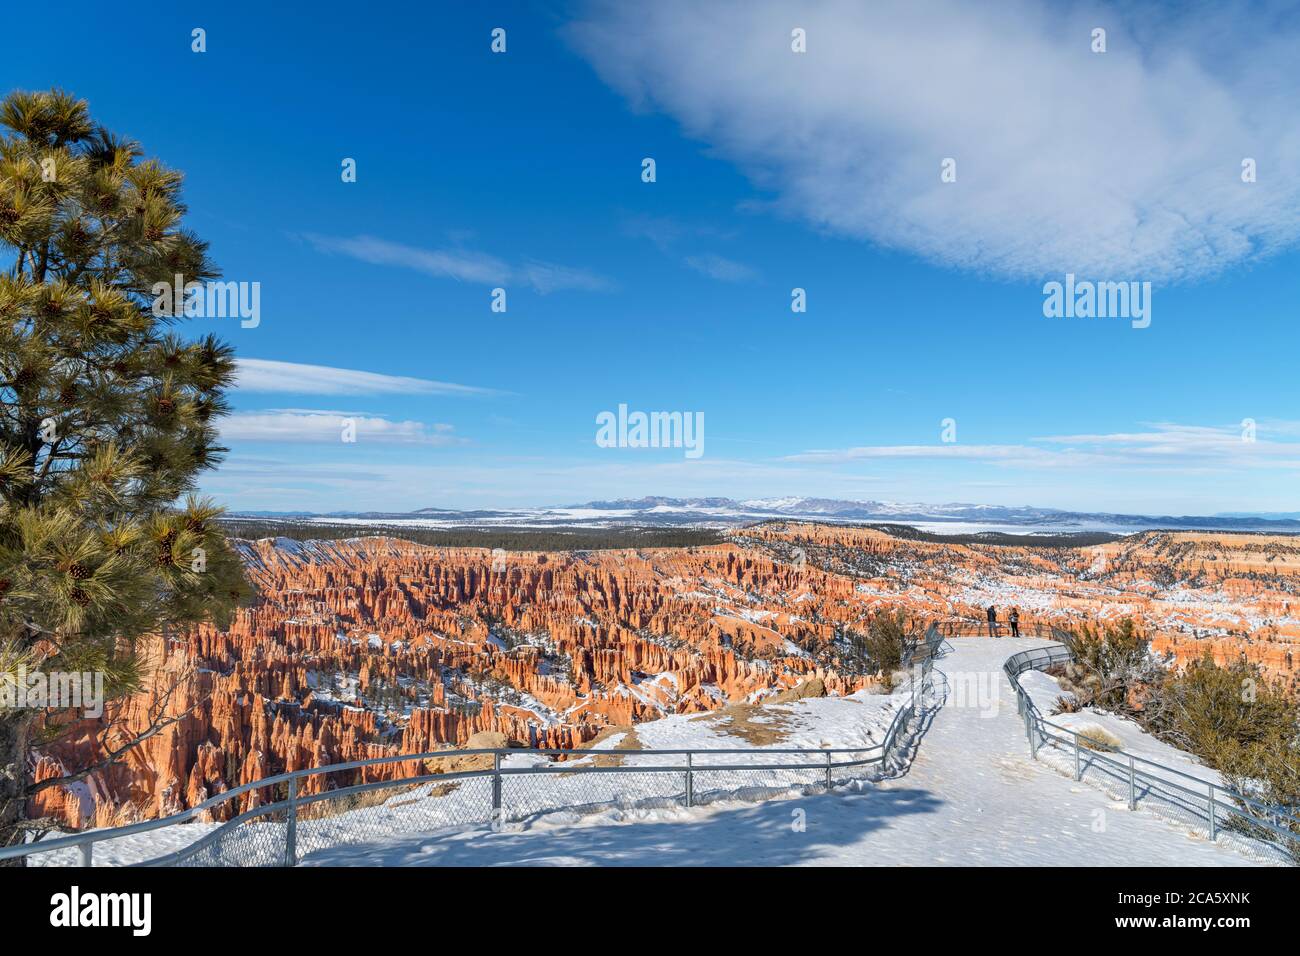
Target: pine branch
[(115, 756)]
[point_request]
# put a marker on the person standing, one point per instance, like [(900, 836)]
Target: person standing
[(993, 621), (1014, 620)]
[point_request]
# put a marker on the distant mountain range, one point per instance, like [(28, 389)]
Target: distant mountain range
[(656, 511)]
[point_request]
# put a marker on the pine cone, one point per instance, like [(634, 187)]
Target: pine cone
[(164, 557)]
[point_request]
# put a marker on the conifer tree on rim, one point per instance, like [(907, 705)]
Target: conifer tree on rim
[(107, 418)]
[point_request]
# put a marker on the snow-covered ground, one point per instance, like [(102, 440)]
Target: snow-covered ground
[(971, 796), (1167, 782), (127, 850), (859, 720), (1045, 691)]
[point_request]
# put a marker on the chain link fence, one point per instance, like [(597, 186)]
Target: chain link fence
[(307, 815)]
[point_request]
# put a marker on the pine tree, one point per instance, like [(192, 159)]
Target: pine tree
[(108, 419)]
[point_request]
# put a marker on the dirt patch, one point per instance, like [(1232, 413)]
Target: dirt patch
[(742, 720), (483, 740), (630, 741), (323, 809), (607, 758), (813, 687)]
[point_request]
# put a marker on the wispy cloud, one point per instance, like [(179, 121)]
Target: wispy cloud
[(1004, 454), (462, 264), (268, 375), (315, 426), (669, 234), (720, 268), (374, 483), (1125, 163), (1162, 446)]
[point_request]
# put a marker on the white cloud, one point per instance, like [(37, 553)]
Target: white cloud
[(373, 483), (1002, 454), (267, 375), (462, 264), (333, 478), (1118, 165), (1164, 446), (311, 426)]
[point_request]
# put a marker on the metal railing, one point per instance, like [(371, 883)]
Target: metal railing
[(927, 648), (305, 816), (978, 627), (1219, 810)]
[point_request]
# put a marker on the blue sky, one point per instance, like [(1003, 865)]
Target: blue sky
[(775, 170)]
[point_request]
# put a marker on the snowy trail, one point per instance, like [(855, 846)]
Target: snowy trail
[(971, 797)]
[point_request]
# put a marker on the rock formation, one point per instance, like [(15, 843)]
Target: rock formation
[(374, 646)]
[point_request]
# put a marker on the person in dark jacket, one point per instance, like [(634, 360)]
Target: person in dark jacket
[(993, 621), (1014, 620)]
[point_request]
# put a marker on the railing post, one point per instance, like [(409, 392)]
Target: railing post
[(496, 786), (1132, 785), (828, 771), (1214, 830), (1029, 734), (87, 853), (690, 780), (291, 831), (1077, 774)]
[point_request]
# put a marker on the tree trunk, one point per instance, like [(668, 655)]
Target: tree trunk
[(15, 733)]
